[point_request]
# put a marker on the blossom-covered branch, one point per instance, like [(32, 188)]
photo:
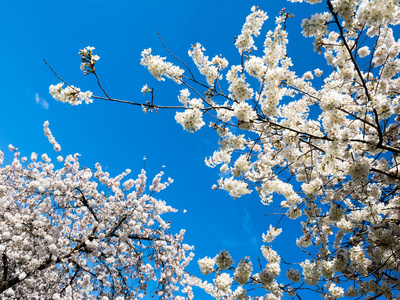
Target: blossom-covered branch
[(69, 232)]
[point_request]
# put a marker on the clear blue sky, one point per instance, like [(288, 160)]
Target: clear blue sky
[(118, 136)]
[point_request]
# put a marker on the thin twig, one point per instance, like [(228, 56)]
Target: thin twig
[(54, 72), (98, 83)]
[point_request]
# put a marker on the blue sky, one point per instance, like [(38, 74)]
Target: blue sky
[(118, 136)]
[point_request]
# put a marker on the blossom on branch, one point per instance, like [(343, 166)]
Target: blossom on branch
[(159, 68), (70, 94), (88, 60)]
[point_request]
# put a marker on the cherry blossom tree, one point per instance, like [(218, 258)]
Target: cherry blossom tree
[(326, 142), (70, 232)]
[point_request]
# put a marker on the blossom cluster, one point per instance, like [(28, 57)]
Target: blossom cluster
[(158, 67), (271, 234), (70, 94), (206, 67), (88, 60), (192, 118), (253, 25)]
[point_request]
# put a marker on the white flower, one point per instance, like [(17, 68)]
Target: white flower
[(235, 188), (159, 68), (145, 89), (206, 67), (270, 255), (318, 72), (310, 272), (206, 265), (316, 25), (335, 291), (253, 24), (360, 168), (244, 112), (293, 275), (22, 276), (271, 234), (243, 271), (53, 248), (184, 97), (70, 94), (308, 76), (223, 260), (313, 187), (33, 156), (191, 119), (223, 282), (88, 60), (363, 51), (239, 88)]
